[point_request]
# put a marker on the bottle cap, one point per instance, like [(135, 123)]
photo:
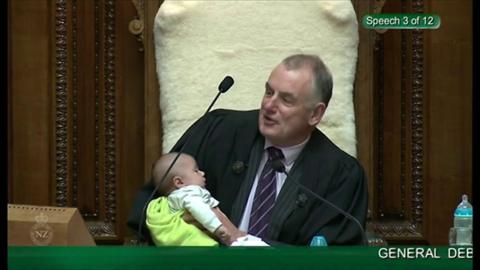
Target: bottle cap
[(318, 241), (464, 209)]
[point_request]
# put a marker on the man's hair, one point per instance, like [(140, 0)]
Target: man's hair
[(322, 79), (160, 167)]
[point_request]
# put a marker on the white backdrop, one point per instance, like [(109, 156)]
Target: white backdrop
[(197, 43)]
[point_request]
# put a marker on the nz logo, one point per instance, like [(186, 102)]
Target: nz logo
[(41, 233)]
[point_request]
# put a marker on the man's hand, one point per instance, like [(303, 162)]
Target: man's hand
[(188, 218), (229, 232)]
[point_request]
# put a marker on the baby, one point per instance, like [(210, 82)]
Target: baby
[(183, 190)]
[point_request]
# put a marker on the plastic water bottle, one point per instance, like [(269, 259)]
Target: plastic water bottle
[(462, 222)]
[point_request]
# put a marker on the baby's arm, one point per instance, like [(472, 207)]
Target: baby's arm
[(202, 213)]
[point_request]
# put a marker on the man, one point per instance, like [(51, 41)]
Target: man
[(236, 149)]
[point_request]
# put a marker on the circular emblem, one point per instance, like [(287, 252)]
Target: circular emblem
[(41, 233), (238, 167)]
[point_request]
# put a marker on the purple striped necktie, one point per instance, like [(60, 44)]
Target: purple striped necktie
[(265, 194)]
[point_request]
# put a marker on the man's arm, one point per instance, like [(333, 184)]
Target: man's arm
[(228, 232), (231, 230), (212, 219)]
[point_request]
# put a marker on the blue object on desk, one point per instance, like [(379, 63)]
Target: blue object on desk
[(318, 241)]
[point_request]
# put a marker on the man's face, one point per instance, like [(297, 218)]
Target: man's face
[(288, 112)]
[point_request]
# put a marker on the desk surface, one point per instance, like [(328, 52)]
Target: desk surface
[(159, 258)]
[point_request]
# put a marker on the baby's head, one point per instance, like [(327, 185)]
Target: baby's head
[(183, 173)]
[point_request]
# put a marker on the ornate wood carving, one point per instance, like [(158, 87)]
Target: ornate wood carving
[(376, 242), (137, 25), (378, 6), (61, 103), (402, 229), (417, 120), (75, 105), (403, 116), (101, 229), (67, 102), (380, 89), (397, 229), (110, 157), (97, 107)]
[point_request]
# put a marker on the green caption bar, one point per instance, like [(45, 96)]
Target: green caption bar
[(401, 21)]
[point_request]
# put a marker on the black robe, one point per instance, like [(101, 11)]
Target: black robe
[(228, 147)]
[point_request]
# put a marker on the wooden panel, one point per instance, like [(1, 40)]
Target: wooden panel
[(129, 55), (30, 98), (76, 125), (142, 27), (400, 86), (449, 127), (85, 108), (391, 125), (364, 100), (424, 143), (153, 121), (62, 128)]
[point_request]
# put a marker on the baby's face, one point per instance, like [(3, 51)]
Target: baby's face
[(191, 175)]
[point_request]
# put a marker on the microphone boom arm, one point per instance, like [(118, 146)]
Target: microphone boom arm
[(213, 102)]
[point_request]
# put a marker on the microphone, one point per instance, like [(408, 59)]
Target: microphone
[(223, 87), (278, 166), (226, 83)]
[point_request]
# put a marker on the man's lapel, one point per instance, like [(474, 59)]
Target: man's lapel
[(253, 163), (285, 202), (291, 196)]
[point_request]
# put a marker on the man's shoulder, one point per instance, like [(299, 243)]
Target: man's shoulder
[(326, 146), (326, 155), (250, 114), (234, 119)]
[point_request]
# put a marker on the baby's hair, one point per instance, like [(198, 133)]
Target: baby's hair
[(160, 167)]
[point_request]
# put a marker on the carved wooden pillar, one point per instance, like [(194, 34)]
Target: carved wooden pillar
[(61, 103), (85, 113), (399, 186)]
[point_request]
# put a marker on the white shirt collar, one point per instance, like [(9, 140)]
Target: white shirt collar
[(291, 152)]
